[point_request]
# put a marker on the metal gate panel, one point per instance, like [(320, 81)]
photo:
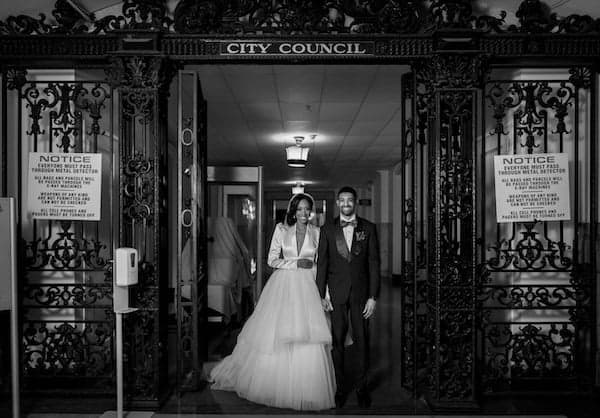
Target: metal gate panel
[(537, 291), (191, 238), (414, 234), (65, 276)]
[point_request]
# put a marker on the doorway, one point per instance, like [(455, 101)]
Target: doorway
[(353, 113)]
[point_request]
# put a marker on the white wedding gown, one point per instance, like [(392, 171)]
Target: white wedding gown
[(282, 357)]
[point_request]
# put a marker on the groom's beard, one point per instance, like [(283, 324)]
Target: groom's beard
[(346, 211)]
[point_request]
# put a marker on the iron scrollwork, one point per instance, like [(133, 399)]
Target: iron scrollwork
[(138, 189), (529, 253), (415, 314), (143, 81), (65, 104), (533, 350), (532, 296), (66, 117), (93, 296), (139, 79), (292, 16), (530, 101), (65, 251), (448, 83), (530, 117), (16, 78), (68, 349)]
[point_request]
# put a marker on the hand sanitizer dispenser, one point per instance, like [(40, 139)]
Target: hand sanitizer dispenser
[(126, 266), (125, 274)]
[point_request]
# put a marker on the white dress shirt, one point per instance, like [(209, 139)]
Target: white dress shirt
[(348, 230)]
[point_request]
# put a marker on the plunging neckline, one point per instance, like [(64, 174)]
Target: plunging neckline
[(299, 250)]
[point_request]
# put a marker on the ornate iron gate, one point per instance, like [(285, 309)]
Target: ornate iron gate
[(523, 294), (191, 238), (414, 230), (66, 277), (537, 296)]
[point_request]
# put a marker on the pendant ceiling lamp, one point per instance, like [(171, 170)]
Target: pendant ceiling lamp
[(297, 155), (298, 188)]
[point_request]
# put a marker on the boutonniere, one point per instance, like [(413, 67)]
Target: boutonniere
[(360, 236)]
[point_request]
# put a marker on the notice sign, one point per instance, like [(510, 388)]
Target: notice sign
[(64, 186), (532, 187)]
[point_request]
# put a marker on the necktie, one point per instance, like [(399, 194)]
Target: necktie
[(353, 222)]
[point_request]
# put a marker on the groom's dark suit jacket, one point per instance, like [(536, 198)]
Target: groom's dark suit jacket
[(341, 269)]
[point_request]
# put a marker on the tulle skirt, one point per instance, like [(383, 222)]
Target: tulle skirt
[(282, 357)]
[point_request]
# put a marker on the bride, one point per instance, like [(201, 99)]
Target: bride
[(282, 357)]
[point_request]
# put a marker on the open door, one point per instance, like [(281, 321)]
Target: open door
[(191, 231)]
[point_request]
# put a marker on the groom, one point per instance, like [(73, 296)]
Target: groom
[(348, 262)]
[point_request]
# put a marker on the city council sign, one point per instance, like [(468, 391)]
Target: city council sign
[(296, 48)]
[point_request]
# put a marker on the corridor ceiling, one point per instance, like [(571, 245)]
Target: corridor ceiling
[(254, 111)]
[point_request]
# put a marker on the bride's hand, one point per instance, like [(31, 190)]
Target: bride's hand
[(305, 263), (327, 306)]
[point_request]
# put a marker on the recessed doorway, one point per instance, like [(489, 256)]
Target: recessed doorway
[(350, 117)]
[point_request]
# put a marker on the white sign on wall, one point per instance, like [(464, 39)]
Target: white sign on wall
[(64, 186), (532, 187)]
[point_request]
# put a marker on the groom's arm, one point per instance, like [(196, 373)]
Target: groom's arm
[(322, 263), (374, 263)]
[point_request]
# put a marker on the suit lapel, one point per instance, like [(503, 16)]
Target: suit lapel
[(340, 241)]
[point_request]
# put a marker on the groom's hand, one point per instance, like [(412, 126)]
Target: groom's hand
[(369, 308), (327, 306)]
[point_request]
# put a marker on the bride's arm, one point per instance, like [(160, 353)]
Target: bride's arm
[(273, 259)]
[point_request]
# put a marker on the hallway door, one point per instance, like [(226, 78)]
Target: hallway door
[(191, 285)]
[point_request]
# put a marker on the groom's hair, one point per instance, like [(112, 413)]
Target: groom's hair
[(347, 189)]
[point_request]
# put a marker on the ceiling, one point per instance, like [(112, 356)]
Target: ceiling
[(254, 111)]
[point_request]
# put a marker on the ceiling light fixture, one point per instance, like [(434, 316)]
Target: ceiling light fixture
[(297, 155), (298, 188)]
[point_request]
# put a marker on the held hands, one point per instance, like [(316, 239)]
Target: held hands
[(326, 304), (305, 263), (369, 308)]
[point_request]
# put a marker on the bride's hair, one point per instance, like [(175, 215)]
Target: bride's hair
[(290, 216)]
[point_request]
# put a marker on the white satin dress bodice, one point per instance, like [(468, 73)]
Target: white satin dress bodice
[(284, 243)]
